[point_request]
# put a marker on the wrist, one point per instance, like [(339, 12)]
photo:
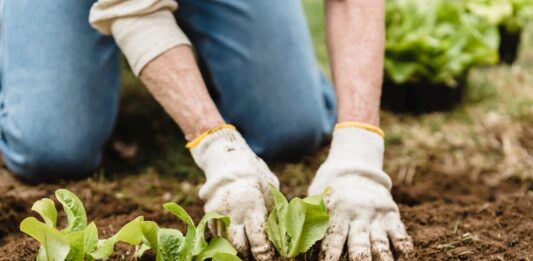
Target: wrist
[(174, 75), (364, 112), (359, 102), (200, 128), (370, 118)]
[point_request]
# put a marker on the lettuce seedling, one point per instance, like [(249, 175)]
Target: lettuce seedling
[(172, 245), (76, 242), (293, 227)]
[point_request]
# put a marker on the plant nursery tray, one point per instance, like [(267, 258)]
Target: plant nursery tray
[(421, 97), (509, 45)]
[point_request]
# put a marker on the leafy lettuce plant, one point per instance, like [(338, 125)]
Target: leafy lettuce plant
[(76, 242), (522, 12), (512, 14), (436, 41), (172, 245), (494, 11), (293, 227)]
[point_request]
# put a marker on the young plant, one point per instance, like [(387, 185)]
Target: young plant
[(511, 14), (494, 11), (76, 242), (522, 15), (172, 245), (436, 41), (293, 227)]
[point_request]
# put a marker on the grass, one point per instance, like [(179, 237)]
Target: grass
[(489, 137)]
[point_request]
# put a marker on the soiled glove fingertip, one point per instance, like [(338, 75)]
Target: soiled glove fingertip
[(261, 248), (266, 254), (237, 236), (404, 249)]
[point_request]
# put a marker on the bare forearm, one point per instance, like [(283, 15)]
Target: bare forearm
[(356, 36), (175, 81)]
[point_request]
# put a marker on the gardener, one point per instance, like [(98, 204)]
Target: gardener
[(60, 90)]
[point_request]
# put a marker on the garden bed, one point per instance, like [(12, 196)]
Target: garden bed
[(449, 217)]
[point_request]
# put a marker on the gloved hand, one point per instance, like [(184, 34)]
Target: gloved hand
[(362, 211), (237, 185)]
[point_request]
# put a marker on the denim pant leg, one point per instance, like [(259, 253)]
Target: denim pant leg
[(59, 91), (258, 61)]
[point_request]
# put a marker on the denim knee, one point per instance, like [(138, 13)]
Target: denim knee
[(40, 162), (291, 139)]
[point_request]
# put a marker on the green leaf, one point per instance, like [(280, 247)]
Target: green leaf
[(279, 200), (149, 231), (41, 255), (178, 211), (295, 220), (77, 218), (104, 248), (318, 199), (225, 257), (130, 233), (276, 226), (194, 242), (210, 216), (56, 246), (187, 247), (220, 247), (274, 232), (90, 238), (76, 240), (200, 243), (47, 210), (170, 241), (295, 226), (494, 11), (313, 229)]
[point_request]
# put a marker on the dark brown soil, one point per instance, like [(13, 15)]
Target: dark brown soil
[(453, 218), (449, 218)]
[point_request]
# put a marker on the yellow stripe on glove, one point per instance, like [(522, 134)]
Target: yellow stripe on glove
[(193, 143), (360, 125)]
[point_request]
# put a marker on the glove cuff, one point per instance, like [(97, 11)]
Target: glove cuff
[(361, 149), (211, 148), (360, 125), (193, 143), (225, 158), (358, 145)]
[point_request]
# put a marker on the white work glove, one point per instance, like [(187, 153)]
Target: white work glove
[(362, 211), (237, 185)]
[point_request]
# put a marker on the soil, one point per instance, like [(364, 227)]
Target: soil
[(449, 217)]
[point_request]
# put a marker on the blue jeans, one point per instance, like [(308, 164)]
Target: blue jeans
[(60, 80)]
